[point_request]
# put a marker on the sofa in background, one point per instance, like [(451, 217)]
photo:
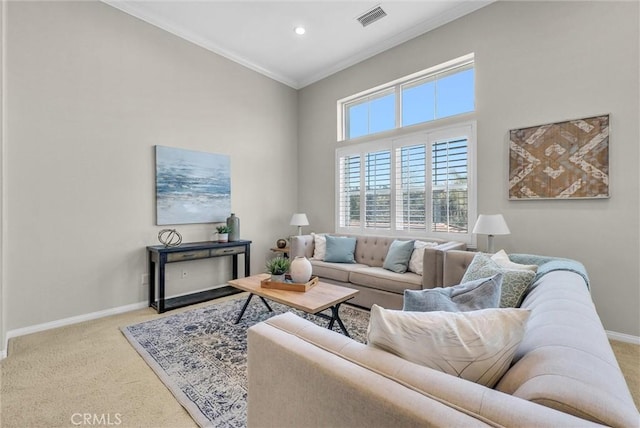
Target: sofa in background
[(376, 284), (564, 373)]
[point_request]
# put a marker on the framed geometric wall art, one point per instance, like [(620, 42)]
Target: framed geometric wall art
[(191, 186), (564, 160)]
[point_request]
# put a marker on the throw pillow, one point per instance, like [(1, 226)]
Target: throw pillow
[(482, 293), (397, 259), (319, 246), (502, 258), (417, 257), (340, 249), (514, 282), (477, 345)]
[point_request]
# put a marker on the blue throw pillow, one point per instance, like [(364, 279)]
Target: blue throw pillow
[(482, 293), (398, 256), (340, 249)]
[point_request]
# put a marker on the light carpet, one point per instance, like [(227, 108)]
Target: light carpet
[(201, 355)]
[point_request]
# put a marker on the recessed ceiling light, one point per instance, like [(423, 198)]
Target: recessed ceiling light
[(299, 30)]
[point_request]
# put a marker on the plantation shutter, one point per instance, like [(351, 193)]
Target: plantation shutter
[(378, 190), (450, 198), (411, 177), (349, 188)]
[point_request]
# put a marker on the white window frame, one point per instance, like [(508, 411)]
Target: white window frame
[(396, 86), (432, 134)]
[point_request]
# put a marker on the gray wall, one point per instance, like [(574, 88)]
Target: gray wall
[(90, 91), (536, 62)]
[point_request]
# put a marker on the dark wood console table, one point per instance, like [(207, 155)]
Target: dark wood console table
[(159, 256)]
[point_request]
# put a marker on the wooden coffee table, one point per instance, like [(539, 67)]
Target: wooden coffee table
[(320, 297)]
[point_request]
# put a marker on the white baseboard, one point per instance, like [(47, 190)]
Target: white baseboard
[(80, 318), (68, 321), (621, 337)]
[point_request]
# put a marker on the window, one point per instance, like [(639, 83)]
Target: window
[(420, 184), (375, 113), (443, 91), (438, 96)]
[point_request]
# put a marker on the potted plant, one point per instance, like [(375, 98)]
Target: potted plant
[(277, 267), (223, 233)]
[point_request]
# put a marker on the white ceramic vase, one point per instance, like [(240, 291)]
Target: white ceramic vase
[(300, 270)]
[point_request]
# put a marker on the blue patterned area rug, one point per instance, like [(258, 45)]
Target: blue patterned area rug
[(201, 355)]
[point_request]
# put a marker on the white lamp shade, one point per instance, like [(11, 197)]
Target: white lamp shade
[(299, 219), (491, 224)]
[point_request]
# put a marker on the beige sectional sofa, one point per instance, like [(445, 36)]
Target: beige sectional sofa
[(564, 373), (376, 284)]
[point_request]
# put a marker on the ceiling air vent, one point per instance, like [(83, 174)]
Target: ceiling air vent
[(371, 16)]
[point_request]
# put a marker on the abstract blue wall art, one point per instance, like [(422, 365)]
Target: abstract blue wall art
[(191, 187)]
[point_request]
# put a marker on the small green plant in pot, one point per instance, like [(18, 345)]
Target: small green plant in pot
[(223, 233), (277, 267)]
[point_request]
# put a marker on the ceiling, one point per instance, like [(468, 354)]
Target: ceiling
[(260, 34)]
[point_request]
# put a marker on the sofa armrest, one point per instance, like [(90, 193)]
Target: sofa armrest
[(454, 266), (301, 246), (432, 272)]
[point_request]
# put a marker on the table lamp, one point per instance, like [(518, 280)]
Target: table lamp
[(491, 224), (299, 219)]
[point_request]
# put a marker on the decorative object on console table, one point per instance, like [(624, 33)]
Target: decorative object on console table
[(234, 223), (281, 243), (169, 237), (300, 269), (223, 233), (563, 160), (278, 267), (299, 219), (491, 224)]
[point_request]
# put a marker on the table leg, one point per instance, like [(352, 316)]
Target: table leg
[(246, 303), (335, 316)]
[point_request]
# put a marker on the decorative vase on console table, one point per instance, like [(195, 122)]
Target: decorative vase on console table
[(300, 270), (234, 224)]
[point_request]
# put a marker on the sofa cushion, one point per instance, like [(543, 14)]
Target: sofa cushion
[(453, 342), (514, 282), (397, 259), (416, 261), (334, 271), (340, 249), (482, 293), (382, 279)]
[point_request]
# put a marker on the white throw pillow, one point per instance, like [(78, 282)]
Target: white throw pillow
[(320, 246), (417, 257), (502, 258), (477, 345)]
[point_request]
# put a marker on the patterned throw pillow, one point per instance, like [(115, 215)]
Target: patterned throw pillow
[(514, 282), (482, 293), (477, 345)]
